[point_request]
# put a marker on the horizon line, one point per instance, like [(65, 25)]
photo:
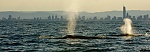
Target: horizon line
[(64, 11)]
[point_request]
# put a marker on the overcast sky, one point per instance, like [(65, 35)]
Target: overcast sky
[(83, 5)]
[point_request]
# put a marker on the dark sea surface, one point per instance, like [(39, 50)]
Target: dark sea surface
[(23, 36)]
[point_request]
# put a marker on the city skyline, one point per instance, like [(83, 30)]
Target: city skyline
[(94, 18), (84, 5), (125, 14)]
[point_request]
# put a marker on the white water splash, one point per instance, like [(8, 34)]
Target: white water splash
[(73, 13), (127, 27), (146, 34)]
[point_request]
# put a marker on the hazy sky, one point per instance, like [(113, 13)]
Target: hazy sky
[(83, 5)]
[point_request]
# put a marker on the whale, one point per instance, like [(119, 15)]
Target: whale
[(89, 37), (127, 35), (83, 37)]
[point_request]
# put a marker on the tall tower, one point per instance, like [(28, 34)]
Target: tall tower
[(10, 17), (124, 12)]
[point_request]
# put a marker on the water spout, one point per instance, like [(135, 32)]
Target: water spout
[(73, 12), (127, 27)]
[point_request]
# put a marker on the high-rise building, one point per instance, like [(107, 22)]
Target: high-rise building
[(114, 18), (49, 17), (95, 18), (134, 18), (37, 18), (18, 18), (90, 18), (127, 15), (52, 17), (10, 17), (61, 18), (108, 18), (101, 19), (56, 17), (34, 18), (124, 12), (83, 17), (140, 17), (145, 17)]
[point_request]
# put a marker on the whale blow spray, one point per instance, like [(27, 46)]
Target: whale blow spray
[(127, 27), (72, 15)]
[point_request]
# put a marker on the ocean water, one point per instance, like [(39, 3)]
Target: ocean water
[(23, 36)]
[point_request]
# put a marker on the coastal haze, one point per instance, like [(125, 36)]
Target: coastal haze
[(45, 14), (61, 5), (28, 9), (74, 26)]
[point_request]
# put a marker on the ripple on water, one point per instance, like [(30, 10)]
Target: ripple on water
[(23, 36)]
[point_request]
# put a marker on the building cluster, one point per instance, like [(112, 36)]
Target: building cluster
[(11, 18), (115, 18), (141, 17), (83, 18), (55, 17), (134, 18)]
